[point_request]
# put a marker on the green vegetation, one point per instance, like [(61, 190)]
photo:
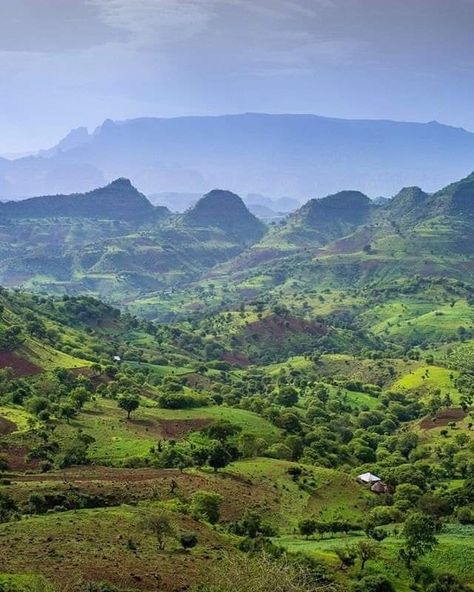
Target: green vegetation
[(289, 407)]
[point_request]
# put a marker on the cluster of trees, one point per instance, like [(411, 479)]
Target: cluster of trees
[(217, 448), (309, 527)]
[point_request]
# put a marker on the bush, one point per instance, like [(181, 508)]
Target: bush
[(188, 540), (376, 583), (205, 506), (465, 515), (181, 401)]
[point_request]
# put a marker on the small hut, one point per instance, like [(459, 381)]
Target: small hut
[(368, 479)]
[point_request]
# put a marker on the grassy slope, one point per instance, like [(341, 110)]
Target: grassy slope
[(117, 439)]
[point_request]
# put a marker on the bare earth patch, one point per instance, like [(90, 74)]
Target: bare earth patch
[(443, 418), (6, 426), (20, 366), (177, 429)]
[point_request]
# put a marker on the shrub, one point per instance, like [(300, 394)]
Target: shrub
[(205, 506), (188, 540), (375, 583)]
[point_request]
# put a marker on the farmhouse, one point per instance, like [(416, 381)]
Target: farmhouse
[(368, 478), (375, 484), (380, 487)]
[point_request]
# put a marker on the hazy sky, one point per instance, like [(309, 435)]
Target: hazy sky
[(66, 63)]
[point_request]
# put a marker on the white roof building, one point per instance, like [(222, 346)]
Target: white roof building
[(368, 478)]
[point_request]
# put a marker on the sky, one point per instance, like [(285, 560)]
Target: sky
[(71, 63)]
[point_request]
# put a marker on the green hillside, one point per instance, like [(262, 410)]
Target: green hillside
[(218, 421)]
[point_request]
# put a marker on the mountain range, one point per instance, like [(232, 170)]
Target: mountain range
[(112, 242), (296, 155)]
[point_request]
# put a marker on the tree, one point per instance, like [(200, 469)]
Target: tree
[(287, 396), (79, 396), (221, 430), (373, 583), (188, 540), (347, 556), (295, 472), (406, 495), (219, 457), (67, 411), (464, 514), (446, 583), (307, 527), (289, 422), (7, 507), (205, 505), (366, 550), (419, 532), (160, 526), (128, 403)]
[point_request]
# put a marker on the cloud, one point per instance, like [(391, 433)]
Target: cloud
[(65, 63), (155, 21), (47, 26)]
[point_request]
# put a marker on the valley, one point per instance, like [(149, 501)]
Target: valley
[(187, 400)]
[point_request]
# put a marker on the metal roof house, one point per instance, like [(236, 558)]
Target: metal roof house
[(368, 478)]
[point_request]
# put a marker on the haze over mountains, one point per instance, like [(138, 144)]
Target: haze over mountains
[(297, 155)]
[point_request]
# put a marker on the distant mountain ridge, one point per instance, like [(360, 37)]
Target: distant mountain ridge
[(298, 155), (118, 200)]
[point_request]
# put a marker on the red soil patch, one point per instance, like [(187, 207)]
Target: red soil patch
[(177, 429), (16, 458), (236, 358), (351, 244), (20, 366), (442, 418), (169, 429), (255, 257), (276, 328), (6, 426)]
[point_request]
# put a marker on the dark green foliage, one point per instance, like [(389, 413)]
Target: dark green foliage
[(373, 583), (8, 507), (446, 583), (419, 532), (181, 401), (219, 455), (188, 540), (128, 403), (205, 505)]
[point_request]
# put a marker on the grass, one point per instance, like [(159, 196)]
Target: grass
[(49, 358), (454, 553), (426, 378), (420, 319), (161, 370), (19, 416), (108, 544), (322, 493), (117, 439)]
